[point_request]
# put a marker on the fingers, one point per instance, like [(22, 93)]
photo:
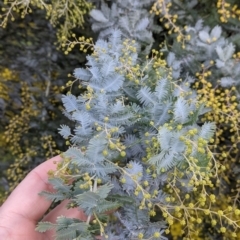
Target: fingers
[(25, 199)]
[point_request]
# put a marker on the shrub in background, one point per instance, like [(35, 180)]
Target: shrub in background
[(33, 74), (207, 49), (64, 15)]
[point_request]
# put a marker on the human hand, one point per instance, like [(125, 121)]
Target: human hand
[(23, 209)]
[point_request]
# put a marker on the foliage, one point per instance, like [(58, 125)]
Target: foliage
[(65, 15), (153, 132), (156, 148), (32, 80), (207, 51), (131, 17)]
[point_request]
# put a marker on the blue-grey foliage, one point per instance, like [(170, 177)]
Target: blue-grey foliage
[(118, 123), (205, 46), (132, 17)]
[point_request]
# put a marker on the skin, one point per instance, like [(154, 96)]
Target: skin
[(23, 209)]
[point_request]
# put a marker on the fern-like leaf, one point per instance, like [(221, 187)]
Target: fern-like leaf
[(70, 103), (207, 130), (95, 149), (44, 226), (142, 24), (65, 131), (162, 89), (82, 74), (113, 83), (165, 160), (98, 16), (181, 110), (78, 157), (104, 206), (87, 201), (58, 196), (146, 97), (104, 190)]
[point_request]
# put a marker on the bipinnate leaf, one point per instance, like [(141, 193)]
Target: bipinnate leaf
[(98, 16), (66, 233), (95, 149), (220, 63), (207, 130), (70, 228), (104, 206), (225, 53), (113, 83), (96, 76), (108, 67), (58, 184), (170, 58), (134, 170), (164, 138), (125, 24), (227, 82), (142, 24), (181, 110), (146, 96), (115, 38), (78, 157), (83, 118), (88, 201), (204, 36), (65, 131), (162, 89), (199, 25), (164, 160), (44, 226), (216, 32), (82, 74), (100, 169), (104, 190), (70, 103), (52, 196), (121, 199)]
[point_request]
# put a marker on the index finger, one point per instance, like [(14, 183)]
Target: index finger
[(25, 199)]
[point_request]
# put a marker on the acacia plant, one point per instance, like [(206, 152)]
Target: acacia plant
[(65, 15), (143, 146), (153, 132), (138, 149)]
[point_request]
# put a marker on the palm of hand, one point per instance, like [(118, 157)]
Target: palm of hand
[(24, 208)]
